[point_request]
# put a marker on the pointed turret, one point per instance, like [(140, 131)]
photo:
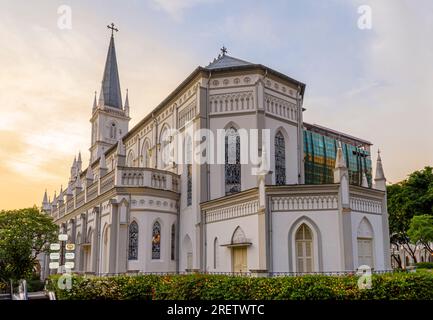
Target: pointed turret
[(340, 165), (110, 94), (55, 198), (74, 169), (69, 192), (78, 182), (102, 166), (102, 162), (120, 154), (120, 148), (79, 163), (126, 106), (45, 199), (45, 203), (379, 178), (89, 172), (341, 176), (95, 104)]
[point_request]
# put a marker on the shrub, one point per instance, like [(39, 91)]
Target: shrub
[(392, 286), (424, 265)]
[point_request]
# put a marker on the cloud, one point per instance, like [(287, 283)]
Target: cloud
[(175, 8)]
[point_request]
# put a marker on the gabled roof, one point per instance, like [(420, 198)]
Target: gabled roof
[(110, 88), (225, 61)]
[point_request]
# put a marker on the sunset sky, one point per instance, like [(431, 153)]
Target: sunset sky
[(375, 84)]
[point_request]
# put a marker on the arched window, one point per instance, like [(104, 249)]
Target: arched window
[(304, 249), (146, 155), (133, 241), (106, 248), (113, 130), (215, 253), (232, 161), (188, 161), (130, 159), (156, 241), (173, 242), (165, 148), (280, 159)]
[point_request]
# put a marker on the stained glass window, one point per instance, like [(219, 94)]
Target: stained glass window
[(173, 242), (156, 241), (133, 241), (232, 161), (280, 159)]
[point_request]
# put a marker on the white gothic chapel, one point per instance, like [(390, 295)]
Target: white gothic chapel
[(318, 208)]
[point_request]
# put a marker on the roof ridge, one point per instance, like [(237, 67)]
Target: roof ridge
[(226, 61)]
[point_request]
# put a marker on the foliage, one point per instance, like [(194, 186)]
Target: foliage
[(24, 234), (392, 286), (421, 230), (424, 265), (406, 199)]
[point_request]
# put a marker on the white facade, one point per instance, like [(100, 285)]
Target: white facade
[(262, 228)]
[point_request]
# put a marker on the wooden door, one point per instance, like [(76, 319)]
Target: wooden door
[(240, 259)]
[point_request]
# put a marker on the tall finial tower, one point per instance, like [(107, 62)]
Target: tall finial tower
[(379, 178), (109, 119)]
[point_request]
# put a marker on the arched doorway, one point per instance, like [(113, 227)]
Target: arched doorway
[(365, 244), (239, 245)]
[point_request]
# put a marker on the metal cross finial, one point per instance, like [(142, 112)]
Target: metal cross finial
[(223, 50), (112, 28)]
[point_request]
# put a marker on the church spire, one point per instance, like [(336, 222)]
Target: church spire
[(110, 94)]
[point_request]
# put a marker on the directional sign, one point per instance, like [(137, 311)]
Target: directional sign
[(55, 246), (54, 256), (70, 255), (69, 265), (54, 265), (63, 237), (70, 246)]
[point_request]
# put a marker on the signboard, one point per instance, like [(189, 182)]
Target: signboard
[(55, 246), (69, 265), (54, 265), (54, 255), (70, 247), (69, 255), (63, 237)]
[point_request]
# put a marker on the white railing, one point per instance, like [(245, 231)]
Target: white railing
[(120, 177), (305, 202)]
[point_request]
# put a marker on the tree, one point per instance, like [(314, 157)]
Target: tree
[(24, 234), (406, 199), (421, 231)]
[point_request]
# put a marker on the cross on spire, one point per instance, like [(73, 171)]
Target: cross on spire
[(112, 28), (223, 50)]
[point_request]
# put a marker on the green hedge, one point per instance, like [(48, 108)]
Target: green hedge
[(396, 286), (424, 265)]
